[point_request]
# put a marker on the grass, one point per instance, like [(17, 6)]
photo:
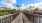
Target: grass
[(3, 13)]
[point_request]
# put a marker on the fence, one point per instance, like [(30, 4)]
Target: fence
[(8, 18), (34, 18)]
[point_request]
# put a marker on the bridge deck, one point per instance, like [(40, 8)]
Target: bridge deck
[(25, 19), (21, 18)]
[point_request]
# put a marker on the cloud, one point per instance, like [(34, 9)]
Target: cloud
[(39, 5), (9, 3), (23, 6)]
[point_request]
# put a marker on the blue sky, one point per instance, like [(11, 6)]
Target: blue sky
[(26, 2), (18, 2)]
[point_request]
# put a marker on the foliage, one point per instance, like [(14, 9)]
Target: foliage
[(18, 6), (3, 13), (25, 10), (28, 11), (8, 11), (33, 6), (37, 9), (13, 11), (30, 7), (18, 10)]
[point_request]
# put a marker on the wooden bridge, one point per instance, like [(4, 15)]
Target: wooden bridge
[(21, 18)]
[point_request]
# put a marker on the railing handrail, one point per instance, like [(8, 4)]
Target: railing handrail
[(2, 17), (34, 14)]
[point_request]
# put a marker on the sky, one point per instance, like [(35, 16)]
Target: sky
[(24, 4)]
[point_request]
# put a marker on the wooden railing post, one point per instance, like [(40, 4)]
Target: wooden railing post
[(7, 18)]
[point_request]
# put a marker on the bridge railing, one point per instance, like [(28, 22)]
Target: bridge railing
[(8, 18), (34, 18)]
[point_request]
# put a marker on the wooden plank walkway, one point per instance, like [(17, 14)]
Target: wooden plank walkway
[(18, 19), (21, 18), (25, 19)]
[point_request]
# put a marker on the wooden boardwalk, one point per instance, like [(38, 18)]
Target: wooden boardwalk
[(25, 19), (21, 18)]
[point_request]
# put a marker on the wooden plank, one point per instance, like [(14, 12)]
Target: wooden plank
[(25, 19), (21, 18), (18, 19)]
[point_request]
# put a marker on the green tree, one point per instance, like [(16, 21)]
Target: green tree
[(18, 6), (33, 6), (18, 10), (14, 11), (37, 9), (30, 7)]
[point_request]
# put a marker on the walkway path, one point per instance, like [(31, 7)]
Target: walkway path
[(18, 19), (21, 18), (25, 19)]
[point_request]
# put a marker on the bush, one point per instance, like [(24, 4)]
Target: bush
[(37, 9), (18, 10), (38, 12), (3, 13)]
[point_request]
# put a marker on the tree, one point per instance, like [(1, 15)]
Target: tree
[(37, 9), (14, 11), (33, 6), (18, 6), (18, 10), (30, 7)]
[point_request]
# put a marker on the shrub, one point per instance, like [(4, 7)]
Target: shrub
[(38, 12), (37, 9), (3, 13)]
